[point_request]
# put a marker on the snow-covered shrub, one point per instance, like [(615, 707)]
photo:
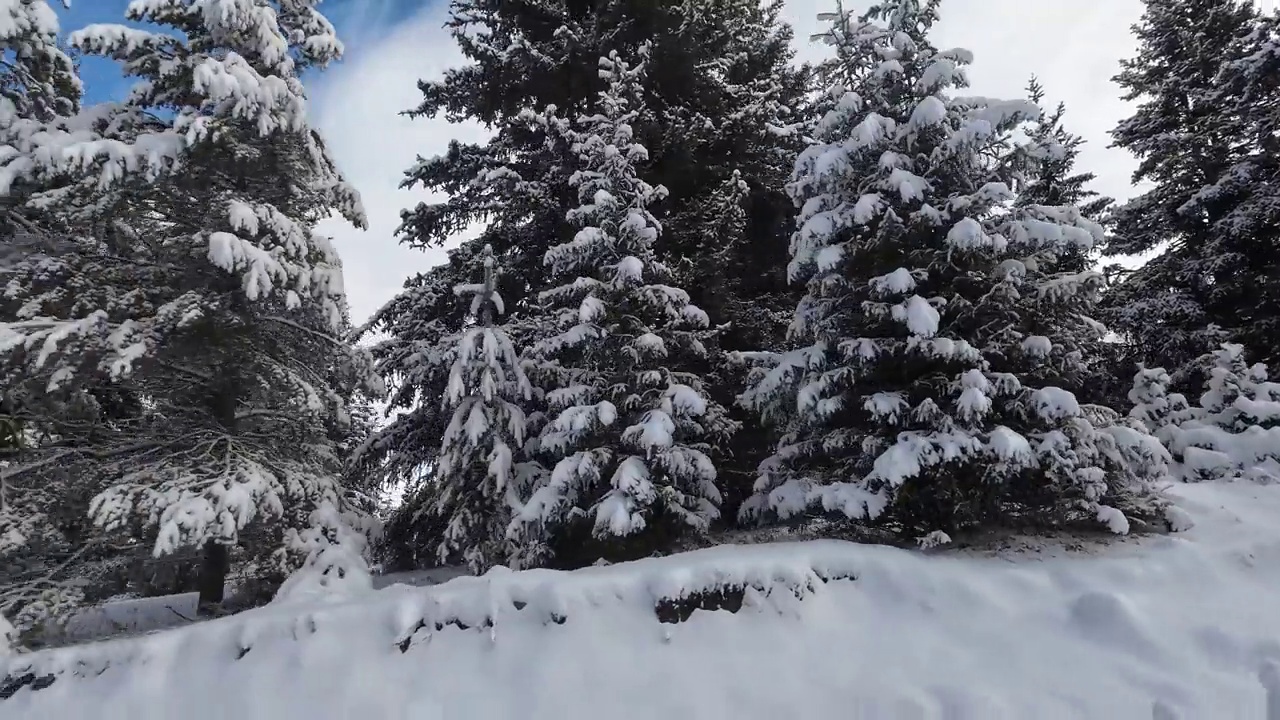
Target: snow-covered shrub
[(51, 608), (1233, 432), (1154, 406), (8, 638), (335, 563)]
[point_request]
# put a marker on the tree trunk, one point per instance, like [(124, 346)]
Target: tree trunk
[(214, 565)]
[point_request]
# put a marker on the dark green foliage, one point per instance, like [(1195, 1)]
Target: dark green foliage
[(1200, 132), (716, 116)]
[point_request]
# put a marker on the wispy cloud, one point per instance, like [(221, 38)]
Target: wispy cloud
[(357, 106)]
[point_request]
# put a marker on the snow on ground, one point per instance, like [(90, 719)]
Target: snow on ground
[(418, 578), (133, 616), (1187, 620), (125, 617)]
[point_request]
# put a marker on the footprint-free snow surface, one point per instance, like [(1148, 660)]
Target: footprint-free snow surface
[(1175, 626)]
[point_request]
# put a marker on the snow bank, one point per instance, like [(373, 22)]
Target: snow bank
[(1187, 621), (122, 617)]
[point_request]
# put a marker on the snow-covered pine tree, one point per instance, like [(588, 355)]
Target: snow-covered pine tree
[(1245, 199), (1051, 177), (724, 151), (424, 324), (39, 80), (1082, 361), (1206, 283), (932, 303), (517, 185), (630, 428), (478, 478), (38, 83), (199, 285), (722, 101)]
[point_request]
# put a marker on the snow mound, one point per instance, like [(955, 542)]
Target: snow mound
[(1172, 626)]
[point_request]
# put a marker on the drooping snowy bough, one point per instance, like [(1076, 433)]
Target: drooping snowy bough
[(38, 554), (925, 393)]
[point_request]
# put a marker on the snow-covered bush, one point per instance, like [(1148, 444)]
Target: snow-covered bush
[(1233, 432), (8, 638), (936, 335), (335, 563)]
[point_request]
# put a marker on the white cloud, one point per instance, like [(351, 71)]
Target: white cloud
[(1073, 46), (357, 107)]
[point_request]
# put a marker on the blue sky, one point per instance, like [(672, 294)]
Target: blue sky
[(361, 24)]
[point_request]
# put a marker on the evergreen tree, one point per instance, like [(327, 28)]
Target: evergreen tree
[(424, 326), (1206, 216), (1049, 178), (38, 83), (39, 521), (1244, 201), (716, 116), (924, 395), (199, 285), (630, 428), (478, 478)]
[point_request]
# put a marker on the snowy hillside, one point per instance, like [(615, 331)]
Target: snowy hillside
[(869, 632)]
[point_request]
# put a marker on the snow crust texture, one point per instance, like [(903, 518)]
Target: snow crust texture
[(1180, 625)]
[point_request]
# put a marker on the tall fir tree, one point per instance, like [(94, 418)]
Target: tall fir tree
[(923, 395), (1205, 217), (199, 284), (717, 116), (1244, 202), (479, 479), (629, 436), (1051, 176)]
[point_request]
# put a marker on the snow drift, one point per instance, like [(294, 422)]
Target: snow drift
[(820, 629)]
